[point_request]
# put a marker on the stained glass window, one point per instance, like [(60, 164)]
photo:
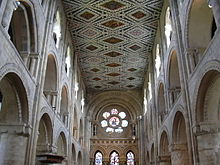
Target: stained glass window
[(114, 111), (130, 158), (114, 121), (124, 123), (106, 115), (122, 115), (109, 130), (98, 158), (114, 158), (104, 123)]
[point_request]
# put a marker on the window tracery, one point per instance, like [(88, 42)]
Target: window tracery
[(114, 158), (114, 121), (98, 158), (168, 26), (130, 158)]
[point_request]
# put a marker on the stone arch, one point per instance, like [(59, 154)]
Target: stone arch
[(152, 154), (98, 148), (73, 157), (208, 117), (23, 28), (95, 156), (116, 159), (75, 123), (64, 104), (164, 154), (51, 81), (208, 98), (45, 134), (179, 149), (173, 78), (212, 65), (62, 145), (23, 34), (81, 131), (106, 98), (201, 25), (161, 102), (147, 157), (79, 158), (14, 119), (13, 97)]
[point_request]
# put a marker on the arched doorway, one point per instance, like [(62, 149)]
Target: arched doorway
[(179, 155), (73, 155), (164, 156), (208, 119), (13, 120), (80, 159)]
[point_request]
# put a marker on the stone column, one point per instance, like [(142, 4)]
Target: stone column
[(215, 5), (13, 144), (33, 63), (208, 135), (179, 154), (25, 56), (9, 9)]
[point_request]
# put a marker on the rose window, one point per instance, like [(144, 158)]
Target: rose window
[(114, 121)]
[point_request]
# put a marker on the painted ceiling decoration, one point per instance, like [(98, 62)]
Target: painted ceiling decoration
[(113, 40)]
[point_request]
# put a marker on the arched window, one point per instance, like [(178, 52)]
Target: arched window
[(68, 61), (157, 60), (57, 28), (98, 158), (21, 29), (114, 121), (114, 158), (168, 27), (130, 158)]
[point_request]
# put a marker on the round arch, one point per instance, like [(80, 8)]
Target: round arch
[(179, 137), (79, 158), (45, 134)]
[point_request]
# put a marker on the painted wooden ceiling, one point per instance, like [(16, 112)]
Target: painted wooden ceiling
[(113, 40)]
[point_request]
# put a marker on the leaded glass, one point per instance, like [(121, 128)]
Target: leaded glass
[(122, 115), (124, 123), (114, 159), (130, 158), (104, 123), (110, 130), (98, 158), (119, 130), (114, 121), (106, 115), (114, 111)]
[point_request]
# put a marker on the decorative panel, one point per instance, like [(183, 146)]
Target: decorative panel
[(113, 40)]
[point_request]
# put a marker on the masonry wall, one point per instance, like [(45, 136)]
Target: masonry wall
[(54, 97), (179, 121)]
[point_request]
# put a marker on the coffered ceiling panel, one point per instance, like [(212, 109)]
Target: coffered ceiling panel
[(113, 40)]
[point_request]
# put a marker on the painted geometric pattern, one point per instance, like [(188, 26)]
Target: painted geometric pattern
[(113, 40)]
